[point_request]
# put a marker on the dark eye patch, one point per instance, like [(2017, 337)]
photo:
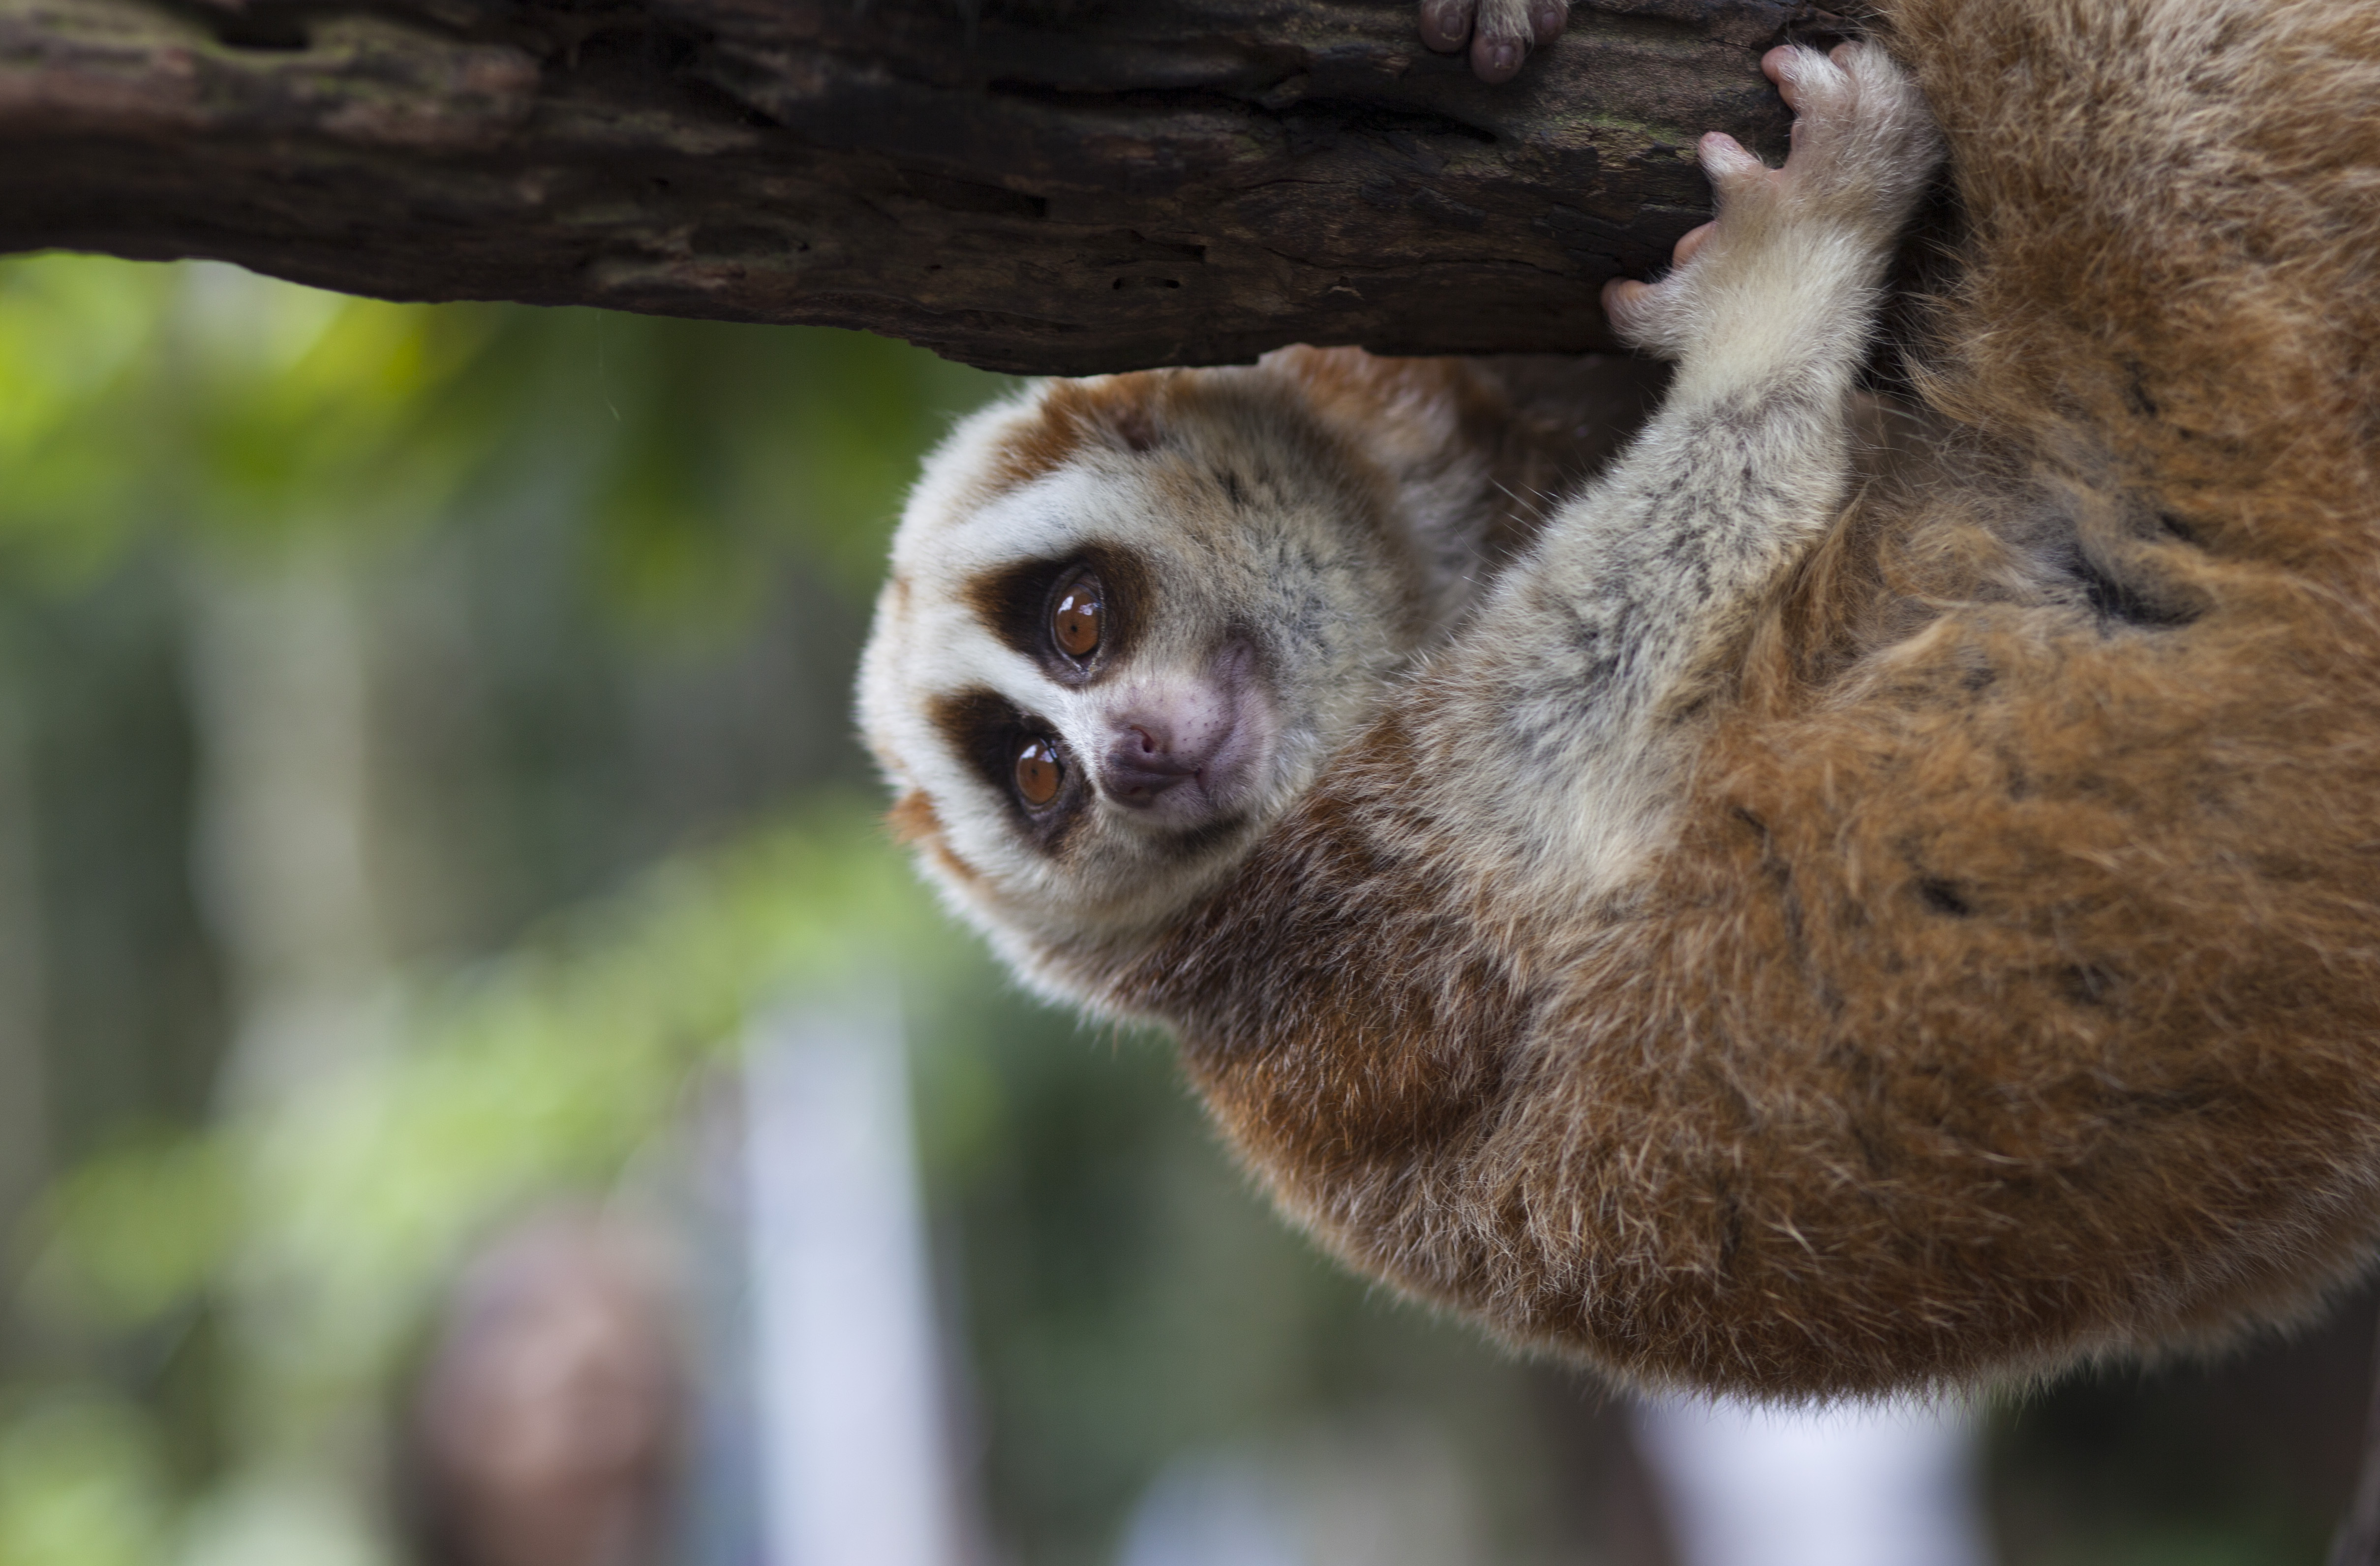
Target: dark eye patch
[(987, 731), (1015, 600)]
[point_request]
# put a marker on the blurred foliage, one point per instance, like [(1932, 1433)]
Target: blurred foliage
[(134, 1232), (329, 1216), (542, 1069), (213, 1287), (212, 399), (80, 1485), (613, 572), (258, 412)]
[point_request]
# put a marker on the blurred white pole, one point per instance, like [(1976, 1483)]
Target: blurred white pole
[(278, 656), (281, 691), (856, 1456), (1850, 1485)]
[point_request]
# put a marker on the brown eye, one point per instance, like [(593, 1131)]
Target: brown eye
[(1074, 620), (1038, 771)]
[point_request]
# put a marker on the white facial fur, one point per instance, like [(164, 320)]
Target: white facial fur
[(1259, 589)]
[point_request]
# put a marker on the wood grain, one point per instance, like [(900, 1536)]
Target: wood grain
[(1056, 188)]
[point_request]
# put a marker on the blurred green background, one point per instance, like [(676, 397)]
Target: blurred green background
[(424, 737)]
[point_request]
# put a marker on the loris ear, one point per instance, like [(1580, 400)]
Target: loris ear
[(1114, 410), (1122, 409), (1135, 423)]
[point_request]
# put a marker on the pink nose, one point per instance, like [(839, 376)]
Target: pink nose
[(1145, 762)]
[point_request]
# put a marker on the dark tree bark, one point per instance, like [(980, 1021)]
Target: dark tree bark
[(2357, 1542), (1065, 186)]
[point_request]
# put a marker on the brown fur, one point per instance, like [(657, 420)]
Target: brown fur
[(911, 820), (2011, 993), (1071, 416)]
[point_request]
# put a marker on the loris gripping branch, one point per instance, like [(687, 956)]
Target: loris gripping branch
[(1749, 930)]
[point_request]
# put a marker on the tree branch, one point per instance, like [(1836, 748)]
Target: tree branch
[(1064, 186)]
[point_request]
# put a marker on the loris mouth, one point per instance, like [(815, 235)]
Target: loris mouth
[(1182, 754)]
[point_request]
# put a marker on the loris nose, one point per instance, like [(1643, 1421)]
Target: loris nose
[(1148, 759)]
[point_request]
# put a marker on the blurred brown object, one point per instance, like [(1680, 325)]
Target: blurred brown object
[(547, 1424)]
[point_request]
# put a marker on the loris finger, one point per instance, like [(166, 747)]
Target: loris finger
[(1446, 24), (1500, 38)]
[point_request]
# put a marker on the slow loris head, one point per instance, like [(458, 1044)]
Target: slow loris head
[(1126, 619)]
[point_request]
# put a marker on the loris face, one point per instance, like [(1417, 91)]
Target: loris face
[(1126, 620)]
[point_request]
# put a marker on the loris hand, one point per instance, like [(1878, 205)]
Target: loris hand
[(1787, 240)]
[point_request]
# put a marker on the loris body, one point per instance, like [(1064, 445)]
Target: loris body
[(1799, 947)]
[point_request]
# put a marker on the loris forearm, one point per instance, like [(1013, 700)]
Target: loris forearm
[(1599, 641)]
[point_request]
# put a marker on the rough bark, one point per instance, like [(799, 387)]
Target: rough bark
[(2357, 1542), (1061, 187)]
